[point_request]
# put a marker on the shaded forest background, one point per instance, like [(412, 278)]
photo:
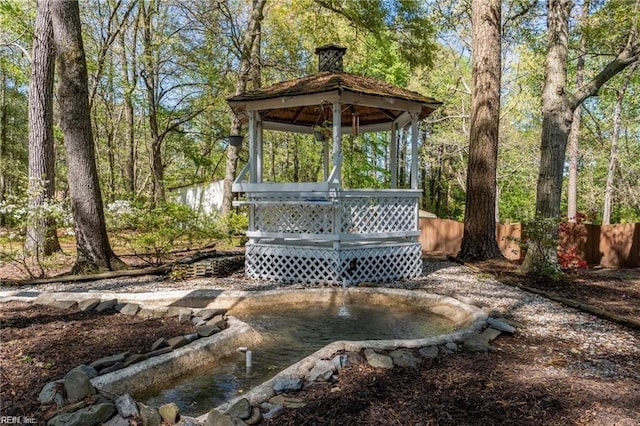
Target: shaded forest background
[(160, 72)]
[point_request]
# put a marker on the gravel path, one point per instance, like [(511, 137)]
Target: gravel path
[(599, 349)]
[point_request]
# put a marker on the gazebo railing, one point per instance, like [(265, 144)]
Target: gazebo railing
[(333, 215)]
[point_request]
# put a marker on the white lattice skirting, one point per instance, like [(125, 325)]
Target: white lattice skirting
[(326, 265)]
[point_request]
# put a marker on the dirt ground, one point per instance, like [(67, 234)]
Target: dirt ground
[(502, 387)]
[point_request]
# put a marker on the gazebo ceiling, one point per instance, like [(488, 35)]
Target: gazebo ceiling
[(305, 102)]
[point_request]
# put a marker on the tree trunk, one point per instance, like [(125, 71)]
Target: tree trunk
[(613, 159), (94, 251), (249, 69), (41, 229), (557, 114), (574, 134), (479, 239), (129, 87)]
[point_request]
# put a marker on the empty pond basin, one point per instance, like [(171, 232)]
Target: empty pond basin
[(290, 334)]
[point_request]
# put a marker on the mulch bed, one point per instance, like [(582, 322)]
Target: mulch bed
[(41, 344), (509, 386)]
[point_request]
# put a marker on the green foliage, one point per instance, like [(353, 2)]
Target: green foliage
[(541, 240), (153, 232)]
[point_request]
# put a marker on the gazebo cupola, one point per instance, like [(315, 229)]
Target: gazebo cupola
[(320, 232)]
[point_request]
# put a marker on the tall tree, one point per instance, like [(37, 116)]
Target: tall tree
[(247, 72), (93, 249), (558, 105), (479, 240), (613, 158), (41, 230), (574, 134)]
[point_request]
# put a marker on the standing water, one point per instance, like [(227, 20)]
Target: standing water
[(291, 334)]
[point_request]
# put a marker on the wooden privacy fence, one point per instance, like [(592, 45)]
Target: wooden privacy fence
[(611, 246)]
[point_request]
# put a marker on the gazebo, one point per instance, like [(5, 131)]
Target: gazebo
[(320, 232)]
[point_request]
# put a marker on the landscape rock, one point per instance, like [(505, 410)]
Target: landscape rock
[(44, 299), (404, 358), (130, 309), (89, 304), (287, 401), (146, 313), (160, 351), (126, 406), (197, 321), (109, 360), (191, 337), (114, 367), (429, 352), (49, 392), (321, 371), (287, 384), (476, 343), (241, 409), (490, 334), (132, 359), (169, 413), (93, 415), (377, 360), (107, 305), (500, 325), (91, 372), (452, 346), (188, 421), (207, 330), (273, 411), (77, 385), (216, 418), (117, 421), (339, 361), (207, 314), (218, 321), (159, 343), (176, 311), (184, 317), (62, 304), (255, 418), (177, 342), (149, 416)]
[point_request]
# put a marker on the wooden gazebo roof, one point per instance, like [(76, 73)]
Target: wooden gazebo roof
[(306, 102)]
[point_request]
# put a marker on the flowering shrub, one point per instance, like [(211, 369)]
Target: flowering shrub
[(568, 258)]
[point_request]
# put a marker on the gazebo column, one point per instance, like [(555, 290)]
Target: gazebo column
[(393, 156), (337, 141), (253, 148), (259, 150), (325, 160), (414, 151)]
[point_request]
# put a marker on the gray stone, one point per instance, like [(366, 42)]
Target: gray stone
[(377, 360), (218, 321), (197, 321), (149, 416), (169, 413), (191, 337), (44, 299), (241, 409), (130, 309), (89, 304), (339, 361), (207, 314), (476, 343), (255, 418), (184, 317), (188, 421), (117, 421), (93, 415), (77, 385), (321, 371), (132, 359), (118, 307), (62, 304), (109, 360), (452, 346), (107, 305), (429, 352), (490, 334), (176, 311), (145, 313), (216, 418), (287, 402), (207, 330), (114, 367), (287, 384), (126, 406), (274, 411), (159, 343), (500, 325), (177, 342), (404, 358), (49, 392), (160, 351), (91, 372)]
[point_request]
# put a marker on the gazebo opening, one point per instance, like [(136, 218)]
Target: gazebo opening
[(320, 231)]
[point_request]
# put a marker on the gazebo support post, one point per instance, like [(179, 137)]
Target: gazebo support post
[(393, 156), (337, 141), (414, 151), (325, 161)]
